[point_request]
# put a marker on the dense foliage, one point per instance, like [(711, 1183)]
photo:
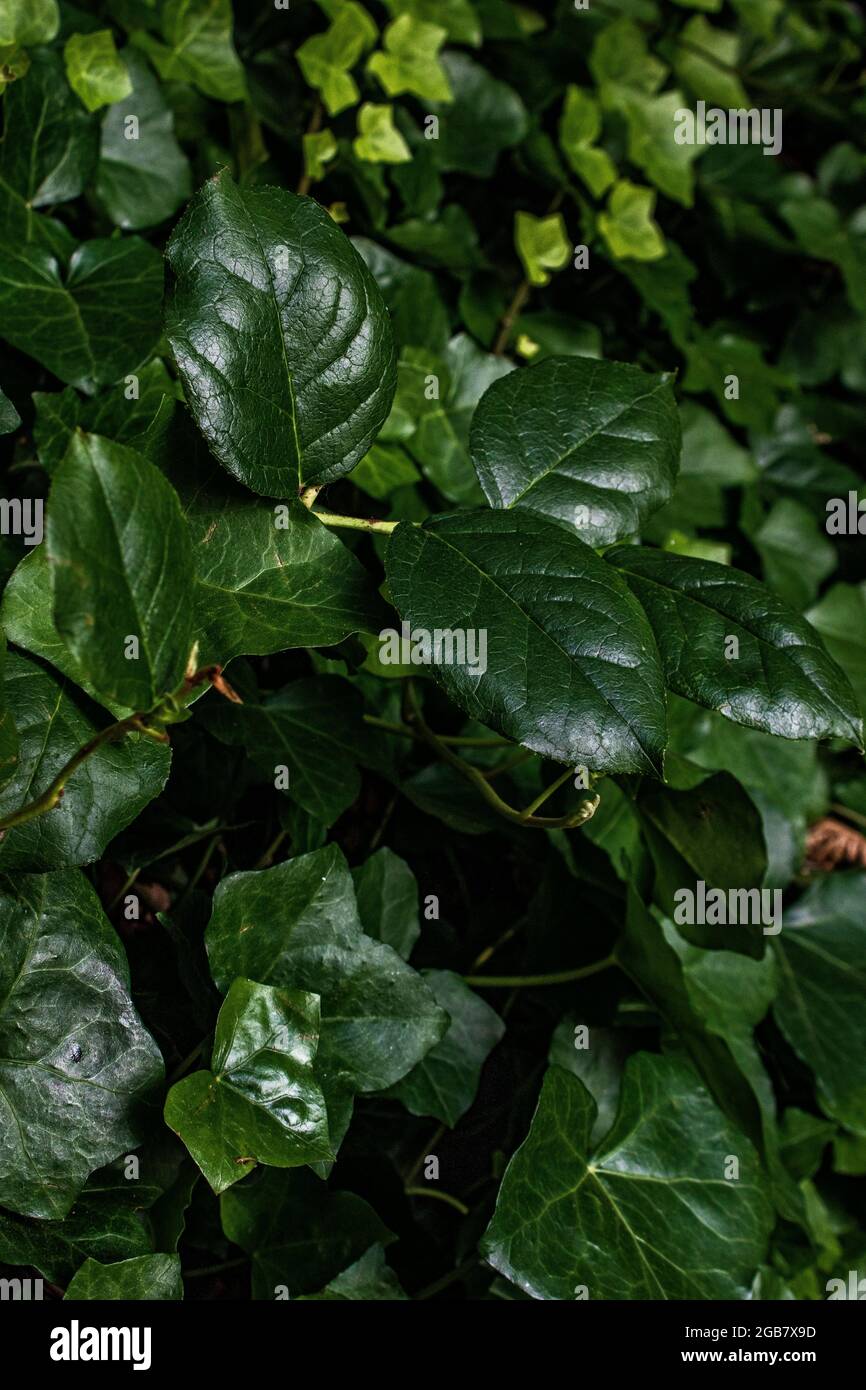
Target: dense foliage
[(442, 656)]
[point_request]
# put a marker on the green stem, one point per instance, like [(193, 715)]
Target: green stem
[(357, 523), (439, 1196), (454, 740), (215, 1269), (476, 776), (562, 977), (548, 792)]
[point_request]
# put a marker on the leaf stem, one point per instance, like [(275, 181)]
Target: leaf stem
[(357, 523), (439, 1196), (455, 740), (215, 1269), (561, 977)]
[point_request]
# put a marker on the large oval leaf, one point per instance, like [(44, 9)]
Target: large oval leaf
[(596, 444), (776, 677), (281, 335), (75, 1059), (572, 670)]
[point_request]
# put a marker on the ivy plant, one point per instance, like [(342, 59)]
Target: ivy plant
[(433, 670)]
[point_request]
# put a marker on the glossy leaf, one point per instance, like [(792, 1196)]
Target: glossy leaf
[(76, 1060), (280, 335), (110, 583), (387, 894), (369, 1279), (143, 176), (593, 444), (95, 69), (259, 1102), (781, 679), (196, 45), (538, 593), (296, 926)]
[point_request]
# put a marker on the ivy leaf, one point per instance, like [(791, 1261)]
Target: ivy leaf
[(299, 1233), (9, 417), (314, 728), (387, 894), (840, 618), (47, 153), (779, 677), (439, 441), (627, 224), (195, 45), (280, 335), (649, 1213), (142, 1279), (95, 69), (110, 413), (418, 315), (320, 148), (378, 140), (110, 581), (92, 325), (540, 596), (8, 731), (369, 1279), (267, 577), (102, 797), (593, 444), (75, 1060), (410, 60), (458, 17), (29, 21), (296, 926), (542, 244), (484, 118), (821, 955), (705, 59), (444, 1083), (143, 175), (579, 128), (325, 59), (796, 553), (102, 1226), (259, 1102)]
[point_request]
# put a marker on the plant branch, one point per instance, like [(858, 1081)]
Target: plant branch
[(356, 523), (561, 977)]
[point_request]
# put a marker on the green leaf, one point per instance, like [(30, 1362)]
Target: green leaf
[(795, 552), (458, 17), (267, 577), (378, 140), (579, 128), (781, 679), (450, 239), (369, 1279), (840, 618), (132, 413), (313, 727), (102, 1226), (822, 233), (9, 417), (542, 244), (95, 69), (325, 59), (95, 323), (387, 895), (705, 60), (439, 442), (417, 312), (48, 150), (143, 175), (593, 444), (627, 225), (821, 955), (296, 926), (592, 697), (445, 1082), (647, 1214), (280, 335), (29, 21), (259, 1102), (143, 1279), (8, 731), (409, 61), (484, 118), (710, 833), (110, 581), (196, 46), (651, 146), (385, 468), (102, 796), (319, 149), (75, 1060), (299, 1234)]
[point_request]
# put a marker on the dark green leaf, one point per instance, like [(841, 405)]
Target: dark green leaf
[(387, 894), (142, 1279), (369, 1279), (593, 444), (75, 1060), (143, 176), (280, 334)]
